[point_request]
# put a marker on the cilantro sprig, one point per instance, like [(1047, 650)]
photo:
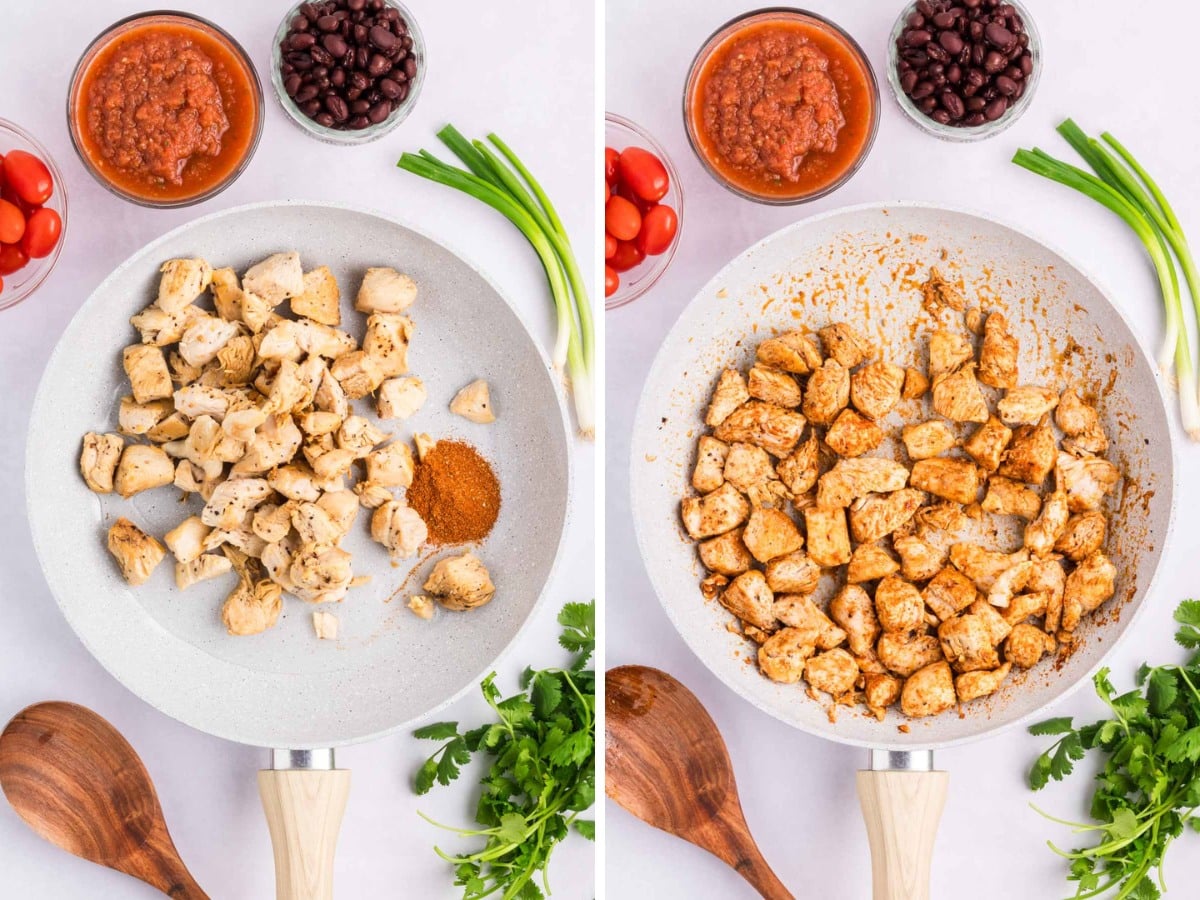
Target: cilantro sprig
[(543, 771), (1149, 788)]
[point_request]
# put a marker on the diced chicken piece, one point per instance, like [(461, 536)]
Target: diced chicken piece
[(399, 528), (940, 520), (182, 283), (952, 479), (775, 429), (280, 341), (357, 373), (204, 339), (1026, 405), (726, 553), (316, 339), (715, 513), (275, 444), (987, 445), (196, 400), (1083, 535), (833, 672), (252, 608), (973, 685), (870, 562), (1081, 423), (330, 397), (783, 655), (905, 653), (202, 568), (232, 500), (899, 605), (967, 644), (136, 552), (1006, 497), (814, 628), (320, 299), (320, 573), (146, 367), (1008, 583), (140, 418), (948, 593), (749, 598), (98, 460), (325, 624), (1090, 584), (460, 582), (880, 691), (770, 533), (853, 478), (172, 428), (928, 439), (774, 386), (385, 290), (875, 388), (947, 351), (243, 424), (982, 565), (142, 468), (1031, 455), (799, 471), (161, 328), (992, 618), (998, 354), (271, 522), (1048, 577), (793, 574), (386, 342), (314, 524), (828, 539), (958, 397), (1043, 532), (843, 343), (928, 691), (359, 436), (920, 559), (875, 516), (1086, 480), (182, 372), (709, 473), (275, 279), (915, 384), (342, 507), (243, 539), (227, 294), (827, 393), (747, 466), (792, 352), (186, 540), (474, 403), (236, 360), (421, 606), (1027, 645), (854, 612), (400, 398), (730, 393), (372, 496), (295, 481), (318, 423), (852, 434), (391, 466)]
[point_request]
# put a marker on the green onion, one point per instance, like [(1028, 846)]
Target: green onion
[(508, 191), (1125, 188)]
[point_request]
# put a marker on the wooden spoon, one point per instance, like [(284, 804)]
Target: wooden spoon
[(76, 781), (666, 763)]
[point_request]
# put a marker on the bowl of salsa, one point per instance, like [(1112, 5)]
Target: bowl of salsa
[(165, 109), (781, 106)]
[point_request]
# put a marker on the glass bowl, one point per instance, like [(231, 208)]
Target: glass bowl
[(181, 20), (974, 132), (620, 133), (23, 282), (371, 132), (780, 14)]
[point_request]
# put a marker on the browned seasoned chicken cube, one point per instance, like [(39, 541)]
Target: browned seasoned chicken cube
[(967, 644), (799, 612), (875, 388), (747, 466), (1006, 497), (943, 516), (949, 593), (905, 652), (853, 478), (915, 384), (146, 367), (774, 386), (1031, 454), (749, 598), (987, 445), (792, 352), (1008, 583), (1026, 405), (843, 343), (709, 473), (951, 479), (870, 562), (730, 393), (715, 513), (1090, 584), (782, 656), (827, 393), (854, 611), (983, 565), (770, 533), (929, 691), (947, 351), (775, 429), (973, 685), (1080, 423), (1043, 532), (828, 539), (853, 435), (793, 574), (726, 553), (1082, 536), (997, 626), (899, 605), (998, 354), (880, 691), (1027, 645), (875, 516), (799, 471), (920, 559), (1049, 578), (833, 672), (98, 460), (137, 553), (927, 439), (1023, 606), (958, 397), (1086, 480)]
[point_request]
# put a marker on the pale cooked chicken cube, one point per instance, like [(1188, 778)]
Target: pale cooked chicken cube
[(320, 573), (952, 479), (749, 598), (747, 466), (1086, 480), (1083, 535), (853, 478), (236, 360), (983, 565), (973, 685), (204, 339), (385, 290), (172, 428), (783, 655), (1006, 497), (272, 522), (1081, 423), (905, 652), (774, 386), (928, 691), (1026, 405), (142, 468), (316, 339), (232, 500), (98, 460), (342, 507), (227, 294), (183, 373), (793, 574), (400, 398), (1031, 454), (400, 528), (202, 568), (852, 434), (357, 373), (729, 394), (870, 562), (958, 397), (915, 384), (775, 429), (320, 300), (998, 354), (815, 628), (280, 341), (460, 582), (276, 278), (792, 352), (146, 367), (386, 341), (920, 559), (875, 388), (988, 442), (1027, 645), (828, 538), (799, 470), (325, 625), (275, 444), (391, 466), (424, 444), (186, 540), (875, 516), (726, 554), (243, 424), (709, 472), (947, 351), (827, 393), (715, 513), (140, 418), (359, 436), (330, 396), (196, 400), (899, 605), (295, 481), (770, 533), (833, 672), (474, 403), (182, 283), (1090, 584), (421, 606), (854, 611), (372, 496), (847, 346), (927, 439), (1043, 532), (136, 553), (161, 328), (252, 607), (967, 643), (318, 423), (948, 593), (880, 691)]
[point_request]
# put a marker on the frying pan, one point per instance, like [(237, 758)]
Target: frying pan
[(864, 265), (284, 689)]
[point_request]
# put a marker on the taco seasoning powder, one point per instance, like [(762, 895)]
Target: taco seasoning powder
[(456, 492)]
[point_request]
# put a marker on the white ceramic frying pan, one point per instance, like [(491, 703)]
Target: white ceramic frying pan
[(284, 689), (863, 265)]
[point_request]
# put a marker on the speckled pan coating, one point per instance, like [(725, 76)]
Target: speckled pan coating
[(285, 688), (863, 265)]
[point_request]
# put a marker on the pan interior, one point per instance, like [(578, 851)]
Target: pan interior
[(285, 688), (864, 266)]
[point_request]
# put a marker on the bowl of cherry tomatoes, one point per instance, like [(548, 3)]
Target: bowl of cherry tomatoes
[(33, 214), (643, 207)]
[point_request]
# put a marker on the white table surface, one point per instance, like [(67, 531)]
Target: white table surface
[(798, 791), (485, 74)]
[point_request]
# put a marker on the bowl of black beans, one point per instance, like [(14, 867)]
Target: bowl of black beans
[(348, 71), (964, 69)]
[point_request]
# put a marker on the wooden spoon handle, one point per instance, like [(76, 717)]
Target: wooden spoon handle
[(902, 811), (304, 814), (160, 867), (741, 852)]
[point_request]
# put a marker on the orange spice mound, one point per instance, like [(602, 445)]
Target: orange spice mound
[(456, 492)]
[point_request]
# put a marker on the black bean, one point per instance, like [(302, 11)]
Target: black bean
[(360, 33), (916, 58), (925, 8), (940, 116), (1020, 91), (353, 94), (918, 38), (954, 74), (407, 41), (953, 104), (358, 123), (975, 104), (301, 41), (994, 62), (928, 105), (359, 81), (327, 23), (1006, 86), (337, 108), (306, 93), (338, 77), (324, 119), (995, 109), (320, 71), (401, 28), (359, 107), (380, 111), (403, 93), (978, 51), (921, 90), (391, 89), (998, 36), (915, 20), (321, 56), (361, 55), (311, 108), (974, 119), (944, 20), (291, 84), (309, 11), (356, 5), (1014, 72), (410, 67), (382, 38), (969, 90), (951, 42), (335, 44)]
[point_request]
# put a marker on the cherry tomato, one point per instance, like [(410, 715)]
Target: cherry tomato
[(28, 176), (12, 258), (626, 257), (610, 246), (612, 281), (658, 230), (28, 209), (42, 232), (622, 219), (624, 190), (12, 223), (610, 165), (1, 170), (644, 173)]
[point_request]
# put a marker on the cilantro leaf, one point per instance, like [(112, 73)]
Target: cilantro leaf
[(587, 828), (438, 731), (546, 695), (579, 631), (1060, 725)]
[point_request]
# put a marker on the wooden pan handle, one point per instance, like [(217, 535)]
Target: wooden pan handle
[(902, 811), (304, 814)]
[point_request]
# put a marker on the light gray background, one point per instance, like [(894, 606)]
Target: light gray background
[(798, 791), (485, 74)]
